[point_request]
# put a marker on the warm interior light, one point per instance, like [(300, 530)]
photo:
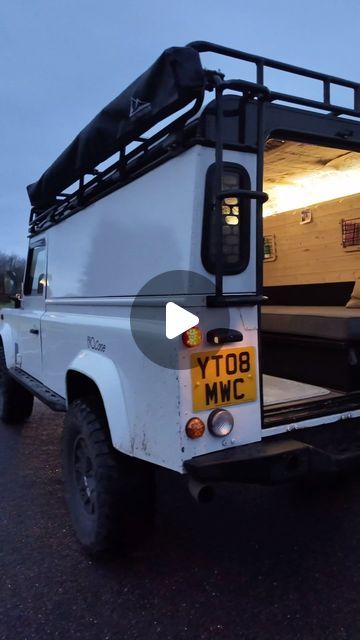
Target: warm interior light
[(305, 190), (192, 337)]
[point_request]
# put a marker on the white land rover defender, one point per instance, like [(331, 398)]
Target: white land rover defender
[(254, 391)]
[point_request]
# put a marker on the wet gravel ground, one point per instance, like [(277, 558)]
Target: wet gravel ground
[(257, 563)]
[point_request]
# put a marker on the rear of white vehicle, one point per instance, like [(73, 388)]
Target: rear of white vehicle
[(86, 321), (177, 219)]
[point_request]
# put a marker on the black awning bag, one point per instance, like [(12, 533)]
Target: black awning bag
[(170, 84)]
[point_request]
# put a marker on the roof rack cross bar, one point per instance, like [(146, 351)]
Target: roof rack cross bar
[(80, 192), (260, 72), (315, 104), (357, 99), (327, 98)]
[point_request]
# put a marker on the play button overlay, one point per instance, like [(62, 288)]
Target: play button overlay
[(164, 308), (178, 320)]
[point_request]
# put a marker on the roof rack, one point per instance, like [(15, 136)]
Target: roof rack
[(262, 64), (51, 204), (111, 177)]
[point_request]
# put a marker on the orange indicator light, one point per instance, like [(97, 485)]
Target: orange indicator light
[(192, 337), (195, 428)]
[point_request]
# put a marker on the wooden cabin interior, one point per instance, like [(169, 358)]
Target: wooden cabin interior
[(311, 322)]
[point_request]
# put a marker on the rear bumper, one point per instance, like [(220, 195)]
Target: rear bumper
[(278, 459)]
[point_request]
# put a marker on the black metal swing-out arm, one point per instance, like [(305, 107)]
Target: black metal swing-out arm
[(261, 94)]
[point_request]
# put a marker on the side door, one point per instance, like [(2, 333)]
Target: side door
[(28, 330)]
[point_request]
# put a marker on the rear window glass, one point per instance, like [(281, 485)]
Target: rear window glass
[(235, 221)]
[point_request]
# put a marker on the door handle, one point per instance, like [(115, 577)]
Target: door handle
[(223, 336), (34, 331)]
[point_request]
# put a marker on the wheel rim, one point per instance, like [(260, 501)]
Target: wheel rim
[(84, 476)]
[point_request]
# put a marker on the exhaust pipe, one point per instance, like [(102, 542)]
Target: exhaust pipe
[(202, 493)]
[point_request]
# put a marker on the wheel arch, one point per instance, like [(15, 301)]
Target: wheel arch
[(96, 375)]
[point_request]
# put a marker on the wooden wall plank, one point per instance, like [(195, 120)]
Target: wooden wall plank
[(312, 253)]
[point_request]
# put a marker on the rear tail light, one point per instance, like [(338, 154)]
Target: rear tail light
[(195, 428), (192, 337)]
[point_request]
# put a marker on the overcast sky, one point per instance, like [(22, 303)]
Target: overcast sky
[(61, 61)]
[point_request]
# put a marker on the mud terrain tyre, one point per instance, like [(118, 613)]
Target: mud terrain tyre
[(16, 402), (110, 496)]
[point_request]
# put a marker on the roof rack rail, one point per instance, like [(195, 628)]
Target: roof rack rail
[(67, 204), (262, 64), (52, 204)]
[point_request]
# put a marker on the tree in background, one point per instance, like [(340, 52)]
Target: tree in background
[(11, 274)]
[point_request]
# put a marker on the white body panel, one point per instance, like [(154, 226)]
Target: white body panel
[(98, 260), (152, 225), (148, 412)]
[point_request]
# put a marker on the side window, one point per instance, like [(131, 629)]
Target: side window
[(35, 279), (235, 221)]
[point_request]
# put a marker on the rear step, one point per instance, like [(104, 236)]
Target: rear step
[(277, 459)]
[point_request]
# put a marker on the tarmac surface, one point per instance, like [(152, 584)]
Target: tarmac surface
[(257, 563)]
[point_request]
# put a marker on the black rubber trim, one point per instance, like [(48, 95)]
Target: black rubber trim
[(39, 390), (278, 459), (235, 300)]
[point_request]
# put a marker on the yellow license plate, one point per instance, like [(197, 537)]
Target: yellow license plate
[(223, 377)]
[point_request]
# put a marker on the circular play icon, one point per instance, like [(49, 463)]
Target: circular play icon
[(164, 313), (178, 320)]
